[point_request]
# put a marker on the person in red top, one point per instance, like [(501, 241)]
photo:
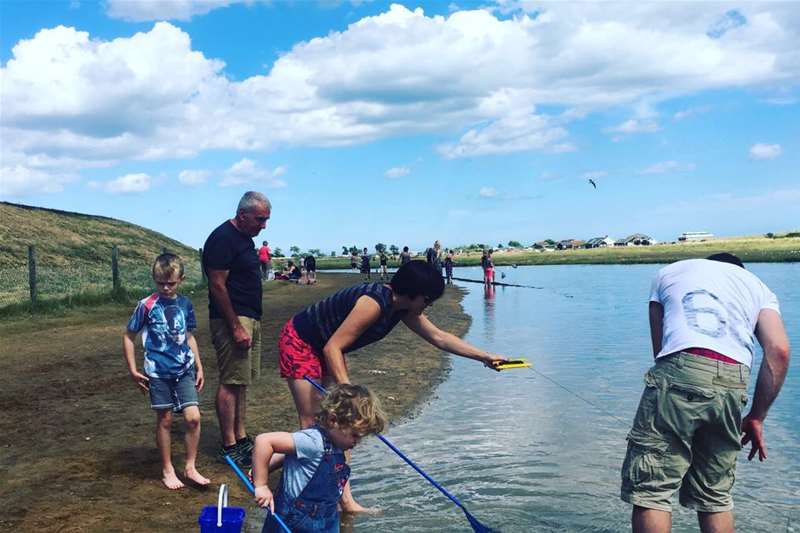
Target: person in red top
[(265, 260)]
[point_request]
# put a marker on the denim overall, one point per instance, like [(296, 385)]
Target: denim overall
[(314, 510)]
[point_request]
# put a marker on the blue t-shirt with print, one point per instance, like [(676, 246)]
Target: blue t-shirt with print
[(164, 323)]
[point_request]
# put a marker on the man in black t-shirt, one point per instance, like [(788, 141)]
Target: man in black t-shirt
[(231, 264)]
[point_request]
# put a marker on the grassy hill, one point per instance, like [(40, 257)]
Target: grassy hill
[(73, 253)]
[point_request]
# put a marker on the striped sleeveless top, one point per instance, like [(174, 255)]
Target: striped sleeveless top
[(317, 323)]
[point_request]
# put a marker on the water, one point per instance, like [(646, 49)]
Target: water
[(523, 454)]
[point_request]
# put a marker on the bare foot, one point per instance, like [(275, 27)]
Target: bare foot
[(195, 476), (171, 480)]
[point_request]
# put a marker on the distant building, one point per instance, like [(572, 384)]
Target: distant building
[(543, 245), (569, 244), (599, 242), (637, 239), (695, 236)]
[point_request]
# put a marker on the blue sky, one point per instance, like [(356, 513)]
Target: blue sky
[(402, 123)]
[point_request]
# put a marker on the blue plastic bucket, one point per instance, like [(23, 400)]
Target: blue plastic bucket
[(220, 518)]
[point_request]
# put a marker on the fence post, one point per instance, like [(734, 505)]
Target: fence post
[(32, 274), (115, 267), (202, 269)]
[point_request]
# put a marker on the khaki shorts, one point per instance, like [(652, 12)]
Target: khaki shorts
[(685, 436), (237, 367)]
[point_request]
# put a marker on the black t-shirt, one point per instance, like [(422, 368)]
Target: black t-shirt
[(229, 249), (310, 262)]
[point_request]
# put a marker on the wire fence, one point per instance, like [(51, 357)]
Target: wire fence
[(42, 279)]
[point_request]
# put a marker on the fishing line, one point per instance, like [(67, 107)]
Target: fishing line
[(599, 408)]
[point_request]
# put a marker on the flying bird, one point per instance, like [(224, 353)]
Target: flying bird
[(593, 183)]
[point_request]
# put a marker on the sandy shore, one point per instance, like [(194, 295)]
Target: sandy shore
[(76, 438)]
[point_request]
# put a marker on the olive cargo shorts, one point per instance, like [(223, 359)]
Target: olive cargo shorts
[(237, 367), (686, 434)]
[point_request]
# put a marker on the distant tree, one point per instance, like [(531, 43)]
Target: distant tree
[(345, 250), (315, 252), (294, 250), (499, 245), (354, 250), (277, 252), (514, 244), (770, 235), (333, 254), (550, 242), (394, 249), (380, 247)]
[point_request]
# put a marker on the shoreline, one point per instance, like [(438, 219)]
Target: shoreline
[(77, 446), (749, 249)]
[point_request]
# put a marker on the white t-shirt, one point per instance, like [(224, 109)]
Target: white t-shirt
[(712, 305), (298, 469)]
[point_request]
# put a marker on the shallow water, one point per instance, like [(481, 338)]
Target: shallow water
[(523, 454)]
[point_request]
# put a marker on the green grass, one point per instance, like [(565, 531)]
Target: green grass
[(73, 258)]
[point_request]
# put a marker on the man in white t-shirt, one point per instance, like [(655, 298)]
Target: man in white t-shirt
[(705, 315)]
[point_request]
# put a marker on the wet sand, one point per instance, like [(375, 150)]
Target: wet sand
[(77, 442)]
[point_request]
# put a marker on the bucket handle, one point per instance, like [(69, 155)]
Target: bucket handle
[(222, 501)]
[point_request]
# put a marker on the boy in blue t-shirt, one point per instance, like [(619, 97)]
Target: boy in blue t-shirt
[(314, 468), (173, 373)]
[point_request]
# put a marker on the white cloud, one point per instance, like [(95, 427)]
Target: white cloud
[(471, 75), (664, 167), (397, 172), (147, 10), (193, 177), (20, 180), (129, 183), (513, 133), (765, 151), (487, 192), (248, 172), (691, 112), (727, 202), (635, 126)]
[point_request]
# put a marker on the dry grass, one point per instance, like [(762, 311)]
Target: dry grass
[(73, 253)]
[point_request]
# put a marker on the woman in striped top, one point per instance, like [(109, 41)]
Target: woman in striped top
[(314, 342)]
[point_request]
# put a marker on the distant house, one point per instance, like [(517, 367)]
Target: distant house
[(639, 239), (543, 245), (599, 242), (569, 244), (687, 236)]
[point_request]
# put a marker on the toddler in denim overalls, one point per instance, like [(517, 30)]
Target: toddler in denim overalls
[(314, 469)]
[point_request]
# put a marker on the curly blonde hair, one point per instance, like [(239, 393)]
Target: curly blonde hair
[(354, 407)]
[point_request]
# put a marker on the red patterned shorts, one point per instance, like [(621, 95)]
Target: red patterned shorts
[(297, 358)]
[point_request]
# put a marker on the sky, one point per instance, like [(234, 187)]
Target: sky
[(371, 122)]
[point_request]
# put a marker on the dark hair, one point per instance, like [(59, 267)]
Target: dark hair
[(405, 248), (725, 257), (417, 278)]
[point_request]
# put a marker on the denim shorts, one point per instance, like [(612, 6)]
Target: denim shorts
[(685, 436), (176, 394)]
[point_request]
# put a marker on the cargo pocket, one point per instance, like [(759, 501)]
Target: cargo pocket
[(691, 393), (643, 466), (647, 410)]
